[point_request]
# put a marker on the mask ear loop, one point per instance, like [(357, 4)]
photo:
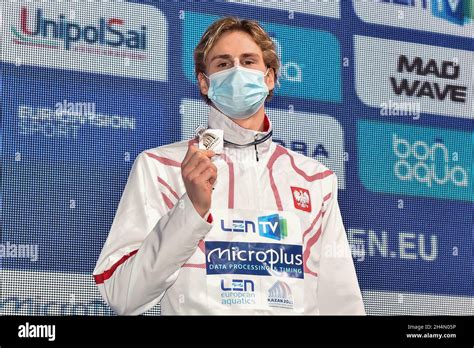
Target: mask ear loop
[(277, 82)]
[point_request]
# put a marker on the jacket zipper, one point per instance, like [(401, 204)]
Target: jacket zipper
[(256, 150)]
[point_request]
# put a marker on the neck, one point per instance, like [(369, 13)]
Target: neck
[(254, 122)]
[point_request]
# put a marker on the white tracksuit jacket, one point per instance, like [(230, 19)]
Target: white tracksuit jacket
[(239, 260)]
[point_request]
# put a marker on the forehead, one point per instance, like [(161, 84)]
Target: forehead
[(234, 43)]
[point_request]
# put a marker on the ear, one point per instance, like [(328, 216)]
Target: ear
[(270, 79), (203, 86)]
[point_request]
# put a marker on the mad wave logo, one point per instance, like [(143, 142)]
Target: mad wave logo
[(433, 79), (54, 33), (262, 259), (436, 78), (270, 226), (415, 160), (129, 38), (279, 295)]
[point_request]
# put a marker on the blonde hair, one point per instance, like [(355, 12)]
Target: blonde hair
[(228, 24)]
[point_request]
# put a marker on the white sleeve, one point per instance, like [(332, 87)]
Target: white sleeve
[(338, 288), (132, 281)]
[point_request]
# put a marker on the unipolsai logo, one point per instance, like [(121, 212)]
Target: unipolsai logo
[(427, 163), (131, 39), (36, 29)]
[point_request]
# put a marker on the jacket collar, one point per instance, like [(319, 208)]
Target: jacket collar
[(237, 134)]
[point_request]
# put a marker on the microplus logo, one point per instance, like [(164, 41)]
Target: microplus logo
[(263, 259), (420, 161), (431, 163), (48, 32), (270, 226)]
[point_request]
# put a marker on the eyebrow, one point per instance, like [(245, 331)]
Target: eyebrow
[(228, 56)]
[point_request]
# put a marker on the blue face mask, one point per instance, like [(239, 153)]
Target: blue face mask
[(238, 92)]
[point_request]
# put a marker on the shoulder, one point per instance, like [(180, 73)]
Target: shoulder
[(307, 166), (168, 155), (310, 170)]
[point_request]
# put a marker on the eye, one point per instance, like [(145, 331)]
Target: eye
[(222, 65), (248, 62)]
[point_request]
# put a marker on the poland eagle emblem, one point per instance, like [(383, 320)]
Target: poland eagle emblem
[(301, 198)]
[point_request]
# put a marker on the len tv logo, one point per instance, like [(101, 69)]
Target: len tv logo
[(458, 12), (272, 226), (269, 226), (455, 11)]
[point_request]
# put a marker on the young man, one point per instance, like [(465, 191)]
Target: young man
[(255, 229)]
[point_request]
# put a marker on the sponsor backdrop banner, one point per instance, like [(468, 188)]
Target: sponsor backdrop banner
[(379, 91)]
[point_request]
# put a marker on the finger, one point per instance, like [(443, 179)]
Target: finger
[(212, 179), (192, 162), (209, 153), (199, 169), (191, 151), (196, 158), (209, 175), (213, 166)]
